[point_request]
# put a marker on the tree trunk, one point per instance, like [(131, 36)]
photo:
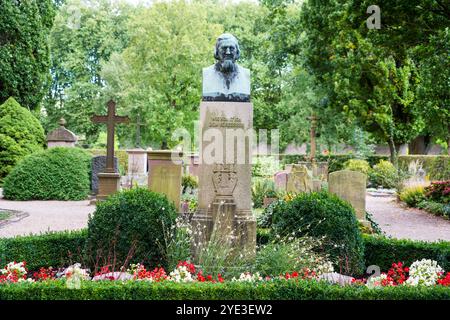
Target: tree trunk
[(393, 151)]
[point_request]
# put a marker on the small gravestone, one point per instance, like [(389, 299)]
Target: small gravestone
[(350, 186), (137, 167), (280, 179), (165, 174), (99, 165), (299, 179), (61, 137)]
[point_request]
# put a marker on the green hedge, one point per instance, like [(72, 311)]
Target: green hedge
[(21, 134), (383, 252), (436, 167), (54, 249), (335, 162), (276, 290), (54, 174), (62, 248)]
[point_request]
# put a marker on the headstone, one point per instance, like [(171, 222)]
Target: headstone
[(99, 165), (61, 137), (350, 186), (137, 167), (280, 179), (299, 179), (165, 174), (226, 125)]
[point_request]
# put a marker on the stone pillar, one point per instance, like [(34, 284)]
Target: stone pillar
[(350, 186), (225, 200), (165, 174), (137, 167)]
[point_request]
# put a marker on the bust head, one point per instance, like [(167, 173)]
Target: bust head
[(226, 52)]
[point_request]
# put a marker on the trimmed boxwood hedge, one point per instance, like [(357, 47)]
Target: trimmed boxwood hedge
[(54, 249), (383, 252), (275, 290), (63, 248), (54, 174)]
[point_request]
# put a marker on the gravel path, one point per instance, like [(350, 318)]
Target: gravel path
[(401, 222), (46, 216), (394, 219)]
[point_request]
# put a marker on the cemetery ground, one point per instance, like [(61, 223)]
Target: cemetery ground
[(395, 219)]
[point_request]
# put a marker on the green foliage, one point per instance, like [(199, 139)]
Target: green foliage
[(436, 167), (56, 249), (261, 188), (412, 195), (157, 77), (284, 255), (24, 50), (436, 208), (84, 37), (384, 174), (129, 227), (323, 215), (265, 166), (382, 252), (190, 182), (275, 290), (53, 174), (438, 191), (357, 165), (20, 134)]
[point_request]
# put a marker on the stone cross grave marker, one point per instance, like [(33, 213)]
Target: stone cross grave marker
[(109, 180)]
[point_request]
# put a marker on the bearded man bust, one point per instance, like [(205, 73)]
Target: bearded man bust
[(226, 80)]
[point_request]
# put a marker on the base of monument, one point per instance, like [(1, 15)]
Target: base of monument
[(222, 226), (108, 184)]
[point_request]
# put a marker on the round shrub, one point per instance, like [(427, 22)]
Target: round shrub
[(357, 165), (412, 195), (384, 174), (130, 226), (54, 174), (323, 215), (20, 134)]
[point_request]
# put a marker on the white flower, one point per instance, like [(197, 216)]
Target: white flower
[(424, 272), (248, 277)]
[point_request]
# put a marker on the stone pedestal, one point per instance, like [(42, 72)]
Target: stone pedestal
[(137, 167), (108, 183), (165, 174), (224, 204)]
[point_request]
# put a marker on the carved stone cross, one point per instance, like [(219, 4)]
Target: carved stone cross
[(110, 119)]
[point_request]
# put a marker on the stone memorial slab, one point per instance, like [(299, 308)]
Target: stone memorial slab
[(350, 186), (280, 179), (299, 179), (137, 167), (165, 174)]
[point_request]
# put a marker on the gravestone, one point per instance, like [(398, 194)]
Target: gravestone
[(226, 126), (137, 167), (299, 179), (165, 174), (61, 137), (99, 165), (280, 179), (350, 186)]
